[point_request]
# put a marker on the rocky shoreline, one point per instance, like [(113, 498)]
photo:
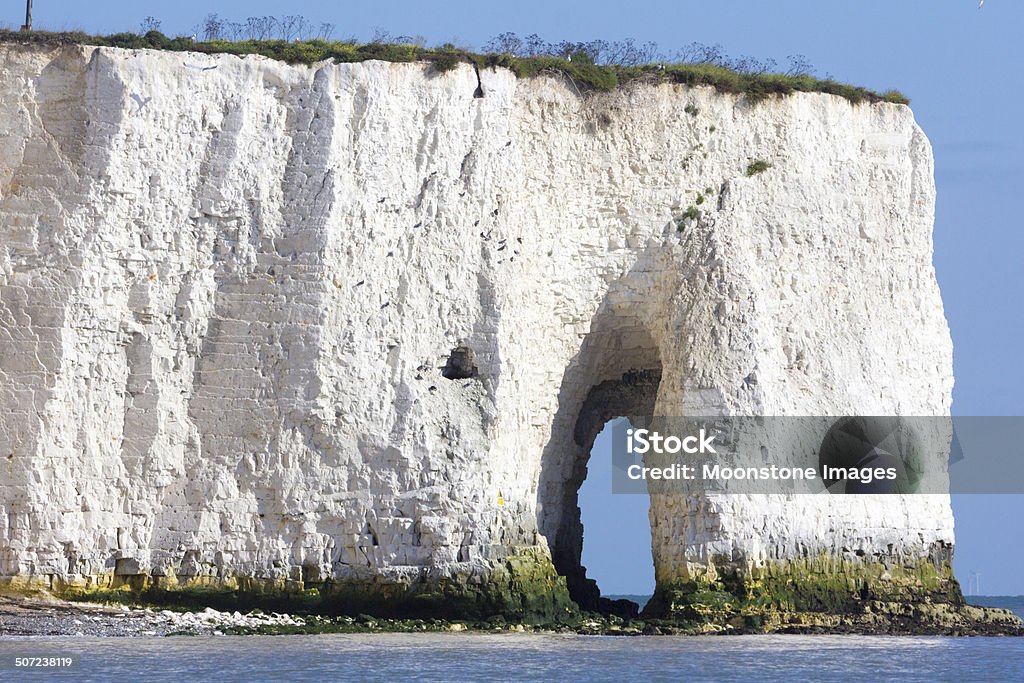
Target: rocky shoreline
[(24, 616), (47, 617)]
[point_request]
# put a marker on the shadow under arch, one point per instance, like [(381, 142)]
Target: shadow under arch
[(616, 373)]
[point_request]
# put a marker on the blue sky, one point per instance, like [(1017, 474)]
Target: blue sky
[(961, 67)]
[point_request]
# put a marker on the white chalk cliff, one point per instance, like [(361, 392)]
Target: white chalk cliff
[(230, 289)]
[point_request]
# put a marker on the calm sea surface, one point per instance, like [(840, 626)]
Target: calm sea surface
[(527, 657)]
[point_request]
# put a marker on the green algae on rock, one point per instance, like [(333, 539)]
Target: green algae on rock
[(829, 594), (522, 588)]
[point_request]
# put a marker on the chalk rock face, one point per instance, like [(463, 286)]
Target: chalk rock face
[(277, 325)]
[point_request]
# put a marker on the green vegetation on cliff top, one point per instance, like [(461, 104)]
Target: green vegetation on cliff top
[(756, 85)]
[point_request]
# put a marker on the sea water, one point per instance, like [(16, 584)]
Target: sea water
[(529, 657)]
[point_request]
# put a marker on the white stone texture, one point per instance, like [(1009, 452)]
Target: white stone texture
[(226, 296)]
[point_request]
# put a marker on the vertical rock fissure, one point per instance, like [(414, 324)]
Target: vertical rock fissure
[(479, 92)]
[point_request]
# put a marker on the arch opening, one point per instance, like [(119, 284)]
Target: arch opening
[(617, 533)]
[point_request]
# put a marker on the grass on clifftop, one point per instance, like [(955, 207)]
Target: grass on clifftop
[(583, 72)]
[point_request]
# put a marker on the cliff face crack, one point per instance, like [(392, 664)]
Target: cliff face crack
[(479, 92)]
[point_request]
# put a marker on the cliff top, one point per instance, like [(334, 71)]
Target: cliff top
[(755, 86)]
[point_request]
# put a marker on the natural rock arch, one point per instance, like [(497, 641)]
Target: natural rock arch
[(616, 373)]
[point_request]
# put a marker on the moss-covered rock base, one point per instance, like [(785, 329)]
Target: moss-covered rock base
[(828, 595), (523, 592), (523, 588)]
